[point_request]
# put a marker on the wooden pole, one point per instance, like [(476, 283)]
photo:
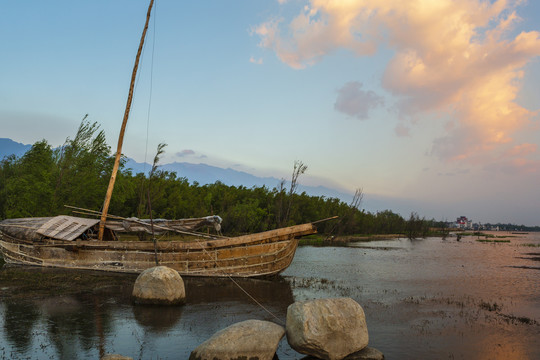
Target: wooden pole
[(123, 128), (152, 227)]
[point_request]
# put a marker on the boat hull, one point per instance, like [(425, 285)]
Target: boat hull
[(261, 254)]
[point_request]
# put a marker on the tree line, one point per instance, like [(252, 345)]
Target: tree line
[(44, 179)]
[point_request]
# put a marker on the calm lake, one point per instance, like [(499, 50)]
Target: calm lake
[(423, 299)]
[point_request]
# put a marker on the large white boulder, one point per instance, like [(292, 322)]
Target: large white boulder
[(159, 285), (250, 339), (327, 329)]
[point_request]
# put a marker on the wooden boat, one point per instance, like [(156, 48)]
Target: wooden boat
[(81, 243), (70, 242)]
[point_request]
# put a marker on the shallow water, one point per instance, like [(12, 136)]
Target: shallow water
[(429, 298)]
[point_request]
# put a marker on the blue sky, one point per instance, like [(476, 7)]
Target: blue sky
[(429, 106)]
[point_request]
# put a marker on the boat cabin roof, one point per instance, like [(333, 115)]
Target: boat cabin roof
[(65, 227)]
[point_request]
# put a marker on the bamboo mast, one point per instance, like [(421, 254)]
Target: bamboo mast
[(123, 128)]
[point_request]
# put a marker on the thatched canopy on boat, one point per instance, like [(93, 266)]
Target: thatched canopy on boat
[(69, 228), (163, 225), (59, 227)]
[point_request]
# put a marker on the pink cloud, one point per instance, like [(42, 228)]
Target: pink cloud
[(258, 61), (522, 150), (515, 166), (456, 57), (402, 130)]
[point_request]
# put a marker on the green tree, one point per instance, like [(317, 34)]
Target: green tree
[(84, 165), (29, 182)]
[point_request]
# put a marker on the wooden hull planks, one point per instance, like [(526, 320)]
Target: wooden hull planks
[(260, 254)]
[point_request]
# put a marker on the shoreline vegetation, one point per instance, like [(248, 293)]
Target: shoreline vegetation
[(43, 180), (445, 234)]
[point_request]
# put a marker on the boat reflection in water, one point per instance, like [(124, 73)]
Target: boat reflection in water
[(206, 299), (19, 319), (89, 324)]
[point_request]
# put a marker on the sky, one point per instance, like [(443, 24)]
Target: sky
[(431, 106)]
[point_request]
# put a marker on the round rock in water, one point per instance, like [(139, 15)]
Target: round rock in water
[(250, 339), (159, 285), (328, 329)]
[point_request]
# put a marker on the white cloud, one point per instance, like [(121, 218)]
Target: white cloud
[(185, 153)]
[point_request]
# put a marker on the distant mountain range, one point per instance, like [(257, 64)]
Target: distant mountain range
[(201, 173), (207, 174), (10, 147)]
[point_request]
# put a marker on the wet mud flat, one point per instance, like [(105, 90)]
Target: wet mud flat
[(428, 298), (434, 298)]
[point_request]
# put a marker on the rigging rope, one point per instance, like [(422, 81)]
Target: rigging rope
[(151, 84)]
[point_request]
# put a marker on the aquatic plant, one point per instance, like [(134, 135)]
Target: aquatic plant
[(492, 241), (490, 307)]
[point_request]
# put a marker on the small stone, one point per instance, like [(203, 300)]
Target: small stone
[(328, 329), (367, 353), (159, 285), (116, 357), (250, 339)]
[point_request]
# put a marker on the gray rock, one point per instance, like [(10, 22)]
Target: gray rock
[(116, 357), (246, 340), (328, 329), (159, 285), (367, 353)]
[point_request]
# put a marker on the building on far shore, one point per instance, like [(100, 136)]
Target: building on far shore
[(463, 223)]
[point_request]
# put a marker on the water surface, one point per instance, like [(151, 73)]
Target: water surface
[(428, 298)]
